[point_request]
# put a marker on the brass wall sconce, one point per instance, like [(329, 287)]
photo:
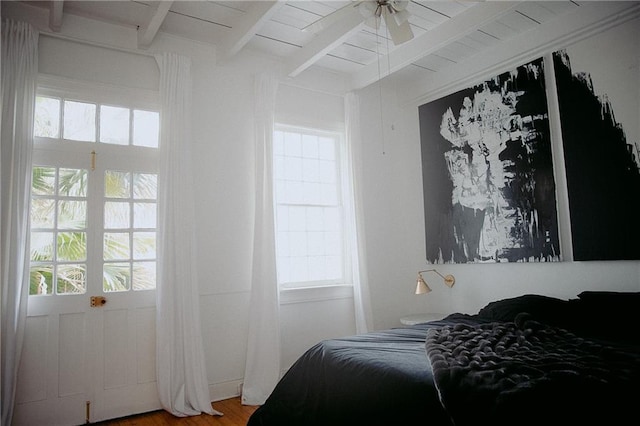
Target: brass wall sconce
[(422, 287)]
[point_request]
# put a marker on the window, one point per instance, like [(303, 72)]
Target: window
[(79, 123), (310, 249), (93, 197)]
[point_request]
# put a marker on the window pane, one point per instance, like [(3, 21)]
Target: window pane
[(292, 168), (314, 219), (73, 182), (114, 125), (79, 121), (326, 149), (116, 215), (144, 215), (145, 186), (316, 244), (116, 277), (47, 117), (297, 218), (144, 245), (41, 279), (298, 243), (117, 184), (332, 219), (144, 275), (299, 269), (71, 279), (72, 214), (41, 246), (311, 170), (333, 243), (42, 213), (333, 268), (292, 144), (146, 128), (328, 194), (72, 246), (327, 171), (310, 146), (312, 193), (43, 180), (116, 246), (293, 192), (317, 268)]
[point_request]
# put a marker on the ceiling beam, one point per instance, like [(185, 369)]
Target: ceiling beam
[(454, 29), (55, 15), (324, 42), (147, 32), (251, 22)]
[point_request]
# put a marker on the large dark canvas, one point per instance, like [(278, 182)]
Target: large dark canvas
[(489, 189), (601, 154)]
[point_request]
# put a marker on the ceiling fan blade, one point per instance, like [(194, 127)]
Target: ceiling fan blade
[(332, 18), (399, 33)]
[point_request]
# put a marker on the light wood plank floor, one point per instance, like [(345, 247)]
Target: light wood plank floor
[(235, 414)]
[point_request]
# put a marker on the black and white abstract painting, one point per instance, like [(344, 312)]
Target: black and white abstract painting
[(489, 188), (599, 116)]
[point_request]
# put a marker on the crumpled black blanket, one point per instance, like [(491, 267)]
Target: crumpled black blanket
[(529, 373)]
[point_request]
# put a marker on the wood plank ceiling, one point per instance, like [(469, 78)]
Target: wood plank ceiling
[(445, 32)]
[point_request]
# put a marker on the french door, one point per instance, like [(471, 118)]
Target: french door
[(89, 348)]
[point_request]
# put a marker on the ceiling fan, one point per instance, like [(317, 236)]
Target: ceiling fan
[(393, 12)]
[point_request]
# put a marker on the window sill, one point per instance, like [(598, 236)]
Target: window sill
[(315, 294)]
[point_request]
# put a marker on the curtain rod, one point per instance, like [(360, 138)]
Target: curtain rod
[(95, 44)]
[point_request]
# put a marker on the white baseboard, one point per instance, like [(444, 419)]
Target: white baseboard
[(225, 390)]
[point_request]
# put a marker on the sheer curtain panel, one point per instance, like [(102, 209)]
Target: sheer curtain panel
[(181, 372), (262, 369), (354, 214), (19, 80)]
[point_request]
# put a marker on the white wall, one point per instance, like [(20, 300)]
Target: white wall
[(394, 198)]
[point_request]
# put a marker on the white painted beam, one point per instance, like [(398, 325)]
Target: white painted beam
[(55, 15), (251, 22), (454, 29), (147, 32), (325, 42)]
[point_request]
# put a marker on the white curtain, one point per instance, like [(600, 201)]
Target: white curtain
[(181, 371), (262, 369), (354, 214), (19, 82)]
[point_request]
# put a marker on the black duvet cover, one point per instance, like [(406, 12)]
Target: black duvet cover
[(519, 361), (378, 378)]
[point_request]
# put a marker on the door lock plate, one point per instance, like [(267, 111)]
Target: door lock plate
[(97, 301)]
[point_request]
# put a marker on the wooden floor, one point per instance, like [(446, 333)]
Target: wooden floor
[(235, 414)]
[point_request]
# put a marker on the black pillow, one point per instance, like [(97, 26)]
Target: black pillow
[(610, 315), (611, 301), (541, 308)]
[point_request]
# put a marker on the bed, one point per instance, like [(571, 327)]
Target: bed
[(525, 360)]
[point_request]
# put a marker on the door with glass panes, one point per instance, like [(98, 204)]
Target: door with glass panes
[(89, 350)]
